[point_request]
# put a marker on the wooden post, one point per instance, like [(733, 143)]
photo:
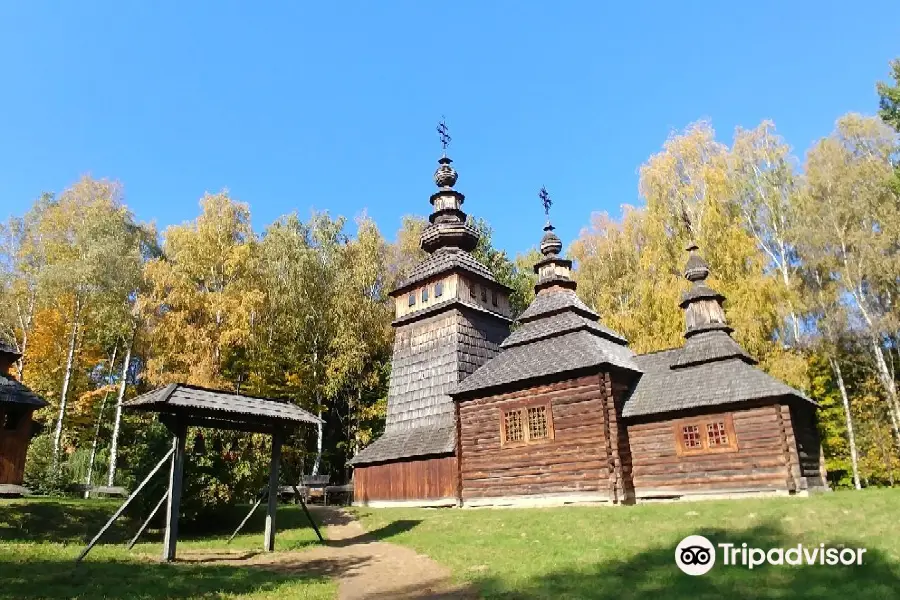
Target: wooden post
[(147, 522), (256, 504), (269, 544), (122, 508), (176, 479)]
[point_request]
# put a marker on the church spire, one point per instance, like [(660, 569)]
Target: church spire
[(552, 270), (702, 305), (448, 228)]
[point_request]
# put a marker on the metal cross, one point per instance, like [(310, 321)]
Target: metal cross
[(545, 200), (444, 133)]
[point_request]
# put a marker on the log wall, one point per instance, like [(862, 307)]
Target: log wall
[(406, 480), (765, 459), (575, 461), (13, 448)]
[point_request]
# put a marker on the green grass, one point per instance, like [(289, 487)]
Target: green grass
[(628, 552), (39, 540)]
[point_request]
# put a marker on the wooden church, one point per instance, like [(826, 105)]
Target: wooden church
[(561, 410)]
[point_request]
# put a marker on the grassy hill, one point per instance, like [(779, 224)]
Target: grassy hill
[(628, 552)]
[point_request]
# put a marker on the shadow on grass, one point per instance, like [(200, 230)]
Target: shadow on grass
[(376, 535), (77, 521), (59, 521), (653, 573), (114, 579)]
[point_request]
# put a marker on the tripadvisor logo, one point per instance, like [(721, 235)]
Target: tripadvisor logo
[(696, 555)]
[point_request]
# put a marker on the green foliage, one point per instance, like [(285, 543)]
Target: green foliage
[(40, 476), (889, 97)]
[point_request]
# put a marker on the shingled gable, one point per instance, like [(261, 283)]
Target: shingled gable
[(11, 391), (438, 345), (558, 333), (711, 369)]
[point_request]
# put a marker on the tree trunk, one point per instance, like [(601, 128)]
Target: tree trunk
[(114, 442), (70, 361), (90, 473), (854, 457), (890, 387)]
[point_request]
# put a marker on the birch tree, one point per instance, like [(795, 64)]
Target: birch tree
[(849, 216), (764, 183)]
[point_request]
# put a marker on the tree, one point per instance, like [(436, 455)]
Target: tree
[(850, 227), (765, 191), (93, 254), (201, 297), (889, 97)]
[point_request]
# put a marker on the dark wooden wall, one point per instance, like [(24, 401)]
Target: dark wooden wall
[(810, 459), (418, 479), (13, 448), (766, 458), (577, 460)]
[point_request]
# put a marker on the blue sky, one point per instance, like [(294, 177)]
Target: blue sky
[(293, 107)]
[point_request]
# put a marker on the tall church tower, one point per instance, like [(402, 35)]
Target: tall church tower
[(451, 316)]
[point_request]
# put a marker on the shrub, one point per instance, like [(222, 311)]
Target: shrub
[(40, 475)]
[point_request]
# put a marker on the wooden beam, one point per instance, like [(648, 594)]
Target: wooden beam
[(256, 504), (150, 518), (125, 504), (269, 544), (176, 480)]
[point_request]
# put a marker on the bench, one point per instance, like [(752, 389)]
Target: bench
[(342, 492)]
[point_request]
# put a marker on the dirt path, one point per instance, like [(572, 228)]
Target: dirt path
[(366, 569)]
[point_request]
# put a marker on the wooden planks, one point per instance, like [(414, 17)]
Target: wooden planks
[(763, 459), (575, 460), (418, 479), (14, 447)]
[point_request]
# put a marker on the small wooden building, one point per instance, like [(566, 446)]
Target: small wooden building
[(17, 403)]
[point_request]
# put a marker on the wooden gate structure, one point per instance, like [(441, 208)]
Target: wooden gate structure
[(180, 406)]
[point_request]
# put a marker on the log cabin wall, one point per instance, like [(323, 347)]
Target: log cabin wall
[(764, 459), (575, 462), (14, 444), (425, 480), (810, 459)]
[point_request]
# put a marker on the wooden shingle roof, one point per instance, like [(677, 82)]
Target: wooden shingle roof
[(446, 260), (180, 398), (558, 334), (13, 392), (674, 380)]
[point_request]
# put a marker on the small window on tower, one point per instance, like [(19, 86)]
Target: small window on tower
[(412, 299), (439, 289), (472, 290), (494, 298), (425, 294), (483, 294)]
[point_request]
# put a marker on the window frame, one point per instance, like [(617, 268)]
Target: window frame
[(522, 409), (483, 294), (702, 424), (438, 289), (411, 301), (494, 299), (424, 294)]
